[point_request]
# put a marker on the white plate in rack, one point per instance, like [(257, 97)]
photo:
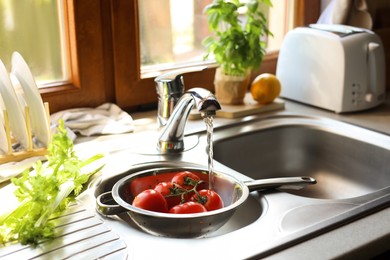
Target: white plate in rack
[(3, 136), (16, 118), (39, 121)]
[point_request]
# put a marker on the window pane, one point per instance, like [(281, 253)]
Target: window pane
[(280, 20), (171, 31), (34, 29)]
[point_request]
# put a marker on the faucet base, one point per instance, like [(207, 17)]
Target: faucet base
[(189, 142), (170, 146)]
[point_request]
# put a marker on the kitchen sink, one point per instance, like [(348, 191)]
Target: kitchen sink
[(346, 160)]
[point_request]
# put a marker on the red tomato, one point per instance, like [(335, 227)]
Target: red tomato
[(172, 193), (209, 199), (148, 182), (151, 200), (188, 180), (188, 207)]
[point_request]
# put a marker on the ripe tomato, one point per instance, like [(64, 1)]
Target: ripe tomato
[(188, 207), (209, 199), (148, 182), (151, 200), (187, 180), (172, 193)]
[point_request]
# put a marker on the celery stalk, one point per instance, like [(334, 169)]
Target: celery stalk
[(46, 190)]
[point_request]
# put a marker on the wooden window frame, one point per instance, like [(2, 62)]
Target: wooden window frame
[(90, 68), (104, 56)]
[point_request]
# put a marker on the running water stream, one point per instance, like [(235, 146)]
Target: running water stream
[(209, 126)]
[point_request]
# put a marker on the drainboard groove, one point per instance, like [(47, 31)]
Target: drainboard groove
[(97, 242), (78, 233), (70, 219), (114, 250), (121, 254), (73, 208), (78, 226), (58, 243)]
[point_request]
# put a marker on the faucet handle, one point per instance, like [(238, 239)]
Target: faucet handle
[(169, 83), (172, 75), (172, 82), (169, 88)]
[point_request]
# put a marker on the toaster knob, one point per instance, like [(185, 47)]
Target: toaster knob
[(368, 97)]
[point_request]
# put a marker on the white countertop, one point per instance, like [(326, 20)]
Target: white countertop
[(361, 238)]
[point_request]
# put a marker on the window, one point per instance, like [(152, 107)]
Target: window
[(34, 29), (175, 38), (87, 36), (103, 52), (168, 33), (133, 88)]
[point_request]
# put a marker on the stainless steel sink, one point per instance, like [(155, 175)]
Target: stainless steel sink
[(347, 161), (350, 164)]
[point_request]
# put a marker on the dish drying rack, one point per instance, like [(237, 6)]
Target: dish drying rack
[(30, 151)]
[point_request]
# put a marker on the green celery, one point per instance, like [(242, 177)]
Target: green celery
[(46, 190)]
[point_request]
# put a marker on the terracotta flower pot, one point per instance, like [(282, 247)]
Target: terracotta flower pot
[(230, 90)]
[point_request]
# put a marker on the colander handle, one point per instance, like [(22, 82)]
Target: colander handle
[(295, 183), (107, 206)]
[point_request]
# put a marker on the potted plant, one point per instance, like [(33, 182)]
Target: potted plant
[(236, 44)]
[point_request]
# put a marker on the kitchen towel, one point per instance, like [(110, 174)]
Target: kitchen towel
[(105, 119)]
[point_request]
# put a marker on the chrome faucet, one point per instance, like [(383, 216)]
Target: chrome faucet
[(173, 112)]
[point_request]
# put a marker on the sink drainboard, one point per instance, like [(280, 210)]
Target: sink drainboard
[(83, 236)]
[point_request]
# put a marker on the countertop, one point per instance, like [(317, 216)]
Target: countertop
[(359, 239)]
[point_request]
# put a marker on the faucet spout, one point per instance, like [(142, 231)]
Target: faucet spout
[(172, 133)]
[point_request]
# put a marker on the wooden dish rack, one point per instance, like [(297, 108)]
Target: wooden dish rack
[(30, 151)]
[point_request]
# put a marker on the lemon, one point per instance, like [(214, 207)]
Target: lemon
[(265, 88)]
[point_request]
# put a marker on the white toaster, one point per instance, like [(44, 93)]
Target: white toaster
[(335, 67)]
